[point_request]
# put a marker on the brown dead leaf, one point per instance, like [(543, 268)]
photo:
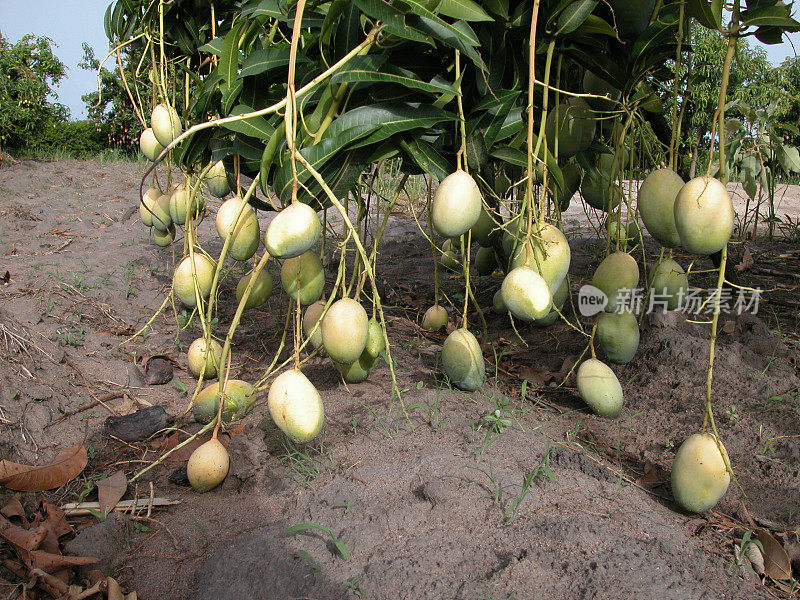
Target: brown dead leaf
[(776, 561), (55, 521), (25, 478), (49, 563), (649, 478), (113, 590), (747, 261), (26, 539), (729, 327), (13, 508), (110, 491), (158, 370)]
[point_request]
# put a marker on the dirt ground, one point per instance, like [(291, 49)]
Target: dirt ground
[(514, 491)]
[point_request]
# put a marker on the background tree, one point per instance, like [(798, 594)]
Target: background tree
[(110, 107), (28, 72), (788, 111)]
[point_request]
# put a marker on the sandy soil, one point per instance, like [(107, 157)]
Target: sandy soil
[(560, 504)]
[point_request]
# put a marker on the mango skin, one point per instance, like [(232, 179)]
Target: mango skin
[(293, 231), (618, 334), (463, 361), (549, 255), (669, 285), (149, 145), (498, 304), (618, 271), (599, 387), (484, 231), (240, 397), (357, 371), (592, 84), (375, 342), (310, 319), (259, 293), (456, 205), (345, 329), (559, 299), (485, 261), (208, 466), (149, 199), (160, 216), (572, 123), (572, 182), (178, 201), (164, 238), (295, 406), (656, 202), (166, 124), (217, 180), (247, 232), (312, 277), (183, 280), (435, 318), (699, 477), (199, 358), (704, 215), (526, 294), (600, 192)]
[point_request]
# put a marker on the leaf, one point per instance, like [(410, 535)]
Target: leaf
[(708, 13), (229, 58), (13, 508), (789, 157), (257, 127), (595, 25), (110, 491), (50, 563), (56, 521), (214, 46), (27, 539), (776, 561), (356, 76), (769, 16), (157, 370), (465, 10), (265, 60), (65, 467), (574, 16)]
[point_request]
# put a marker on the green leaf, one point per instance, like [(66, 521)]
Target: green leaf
[(789, 157), (594, 25), (229, 58), (261, 61), (231, 95), (214, 46), (389, 119), (574, 16), (358, 76), (769, 16), (254, 126), (707, 12), (426, 157), (465, 10)]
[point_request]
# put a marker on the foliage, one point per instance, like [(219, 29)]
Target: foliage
[(78, 139), (110, 107), (28, 71), (788, 111)]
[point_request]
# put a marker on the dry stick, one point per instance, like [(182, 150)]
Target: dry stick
[(127, 89), (370, 273), (678, 56), (531, 208)]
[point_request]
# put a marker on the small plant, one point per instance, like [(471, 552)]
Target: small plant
[(354, 585), (541, 470), (338, 544), (74, 335)]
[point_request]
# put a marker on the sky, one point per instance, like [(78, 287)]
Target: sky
[(69, 23)]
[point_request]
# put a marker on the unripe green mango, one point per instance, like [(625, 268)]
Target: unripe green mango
[(160, 216), (599, 387), (456, 205), (203, 358), (463, 361), (240, 397), (149, 199), (498, 304), (149, 144), (592, 84), (246, 235), (357, 371), (375, 341), (485, 261), (293, 231), (435, 318), (166, 124), (183, 280), (669, 284), (217, 180), (259, 293), (618, 334), (618, 271), (559, 299), (699, 476), (526, 294), (310, 318), (178, 202), (311, 280), (345, 329), (704, 215), (548, 254), (656, 202), (164, 238), (484, 231), (572, 182), (295, 406), (573, 124)]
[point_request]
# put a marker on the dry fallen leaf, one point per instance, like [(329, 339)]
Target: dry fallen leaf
[(111, 490), (747, 261), (113, 590), (14, 508), (776, 561), (56, 521), (49, 563), (25, 478), (26, 539)]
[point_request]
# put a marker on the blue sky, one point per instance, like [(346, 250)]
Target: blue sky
[(71, 22)]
